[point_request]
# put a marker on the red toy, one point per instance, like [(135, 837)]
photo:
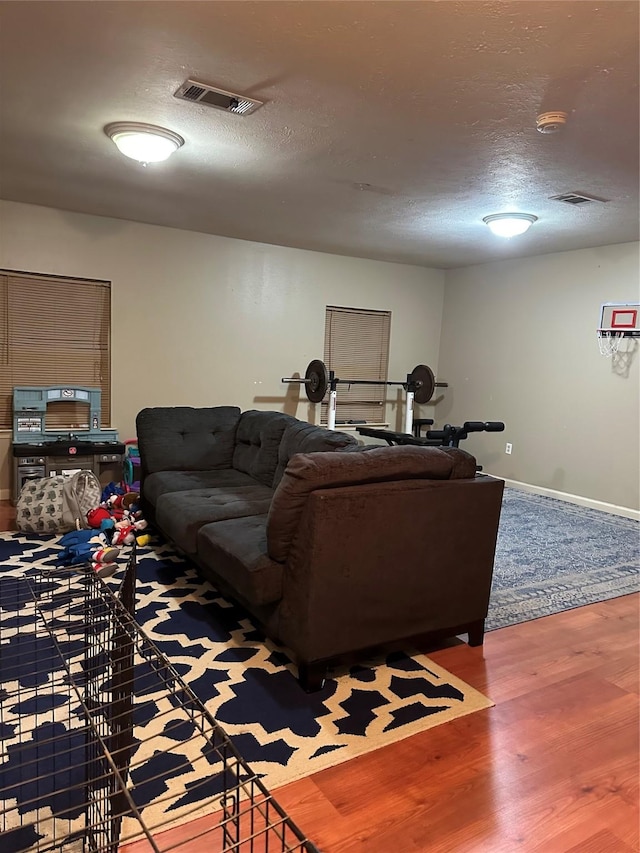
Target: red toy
[(96, 516)]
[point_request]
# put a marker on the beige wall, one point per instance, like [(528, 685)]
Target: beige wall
[(519, 345), (204, 320)]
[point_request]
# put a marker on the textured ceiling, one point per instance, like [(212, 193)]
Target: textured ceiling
[(389, 128)]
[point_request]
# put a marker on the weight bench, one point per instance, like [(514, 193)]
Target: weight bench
[(448, 436), (392, 437)]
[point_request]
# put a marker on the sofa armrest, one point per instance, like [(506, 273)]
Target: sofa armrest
[(307, 472), (376, 563)]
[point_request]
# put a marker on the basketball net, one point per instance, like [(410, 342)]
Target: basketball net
[(609, 341)]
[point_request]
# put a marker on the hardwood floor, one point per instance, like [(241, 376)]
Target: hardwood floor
[(552, 768), (7, 516)]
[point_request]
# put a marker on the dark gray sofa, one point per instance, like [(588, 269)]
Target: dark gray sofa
[(332, 550)]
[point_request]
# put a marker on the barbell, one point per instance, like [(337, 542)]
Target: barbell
[(318, 378)]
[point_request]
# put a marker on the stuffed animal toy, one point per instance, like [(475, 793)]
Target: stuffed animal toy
[(103, 562), (119, 518), (123, 534), (105, 555), (116, 507), (126, 531), (96, 516), (86, 547), (130, 501)]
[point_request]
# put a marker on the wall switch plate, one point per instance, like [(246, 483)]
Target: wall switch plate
[(508, 448)]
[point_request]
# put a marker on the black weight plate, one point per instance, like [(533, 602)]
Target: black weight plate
[(317, 377), (422, 382)]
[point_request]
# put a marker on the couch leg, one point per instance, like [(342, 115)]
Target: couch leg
[(311, 676), (476, 633)]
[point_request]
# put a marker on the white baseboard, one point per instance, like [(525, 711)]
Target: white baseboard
[(625, 511)]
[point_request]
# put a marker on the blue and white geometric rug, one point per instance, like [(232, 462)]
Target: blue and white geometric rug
[(249, 686), (553, 556)]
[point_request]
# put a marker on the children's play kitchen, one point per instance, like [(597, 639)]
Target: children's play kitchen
[(41, 451)]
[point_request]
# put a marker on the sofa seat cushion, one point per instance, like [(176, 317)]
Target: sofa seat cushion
[(182, 438), (236, 550), (302, 437), (258, 438), (164, 482), (309, 471), (181, 514)]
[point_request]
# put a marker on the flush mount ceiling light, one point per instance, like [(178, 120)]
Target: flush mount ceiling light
[(144, 142), (510, 224)]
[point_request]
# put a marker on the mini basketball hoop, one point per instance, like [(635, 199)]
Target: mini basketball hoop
[(609, 342), (618, 320)]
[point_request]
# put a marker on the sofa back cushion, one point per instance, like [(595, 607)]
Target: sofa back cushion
[(181, 438), (309, 471), (303, 437), (257, 441)]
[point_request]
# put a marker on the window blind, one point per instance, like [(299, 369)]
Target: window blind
[(54, 331), (356, 346)]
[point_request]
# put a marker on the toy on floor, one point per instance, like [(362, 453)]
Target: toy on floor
[(99, 518), (127, 530), (131, 465), (88, 548), (103, 563), (118, 518)]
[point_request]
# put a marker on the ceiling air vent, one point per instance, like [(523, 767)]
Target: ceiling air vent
[(576, 198), (201, 93)]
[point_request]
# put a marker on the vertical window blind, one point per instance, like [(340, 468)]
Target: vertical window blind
[(54, 331), (356, 346)]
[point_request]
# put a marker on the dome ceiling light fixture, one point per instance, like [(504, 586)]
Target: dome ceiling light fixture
[(145, 143), (509, 224)]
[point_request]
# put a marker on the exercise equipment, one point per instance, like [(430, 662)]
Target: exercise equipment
[(448, 436), (316, 380), (451, 436), (420, 385)]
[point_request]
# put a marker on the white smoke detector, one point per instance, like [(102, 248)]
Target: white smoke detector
[(551, 122)]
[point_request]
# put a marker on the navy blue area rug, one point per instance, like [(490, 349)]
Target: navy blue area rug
[(247, 685), (553, 556)]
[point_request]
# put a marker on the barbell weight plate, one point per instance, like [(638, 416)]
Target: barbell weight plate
[(422, 382), (317, 380)]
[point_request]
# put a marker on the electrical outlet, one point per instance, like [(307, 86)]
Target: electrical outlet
[(508, 448)]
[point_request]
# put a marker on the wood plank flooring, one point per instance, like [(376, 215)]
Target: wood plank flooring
[(552, 768), (7, 516)]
